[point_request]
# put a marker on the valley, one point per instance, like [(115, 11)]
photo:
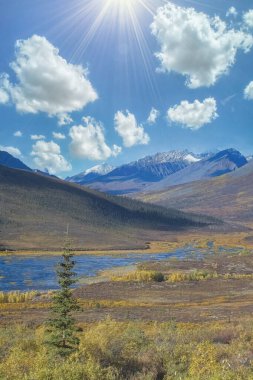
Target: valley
[(126, 190), (169, 270)]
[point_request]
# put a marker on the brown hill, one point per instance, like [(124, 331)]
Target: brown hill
[(35, 211), (229, 197)]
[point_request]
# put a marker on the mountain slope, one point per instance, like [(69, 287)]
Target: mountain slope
[(229, 197), (135, 176), (218, 164), (8, 160), (36, 209)]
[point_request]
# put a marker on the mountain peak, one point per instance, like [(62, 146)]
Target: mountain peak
[(101, 169), (6, 159), (231, 154), (171, 156), (91, 174)]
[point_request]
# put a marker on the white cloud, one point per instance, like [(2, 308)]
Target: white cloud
[(64, 119), (38, 137), (18, 134), (88, 141), (232, 12), (46, 82), (47, 156), (154, 114), (127, 127), (200, 47), (194, 115), (59, 136), (248, 92), (12, 150), (4, 96), (248, 18)]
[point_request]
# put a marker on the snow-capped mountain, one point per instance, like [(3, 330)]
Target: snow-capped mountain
[(91, 174), (216, 165), (100, 169), (136, 175), (161, 170), (172, 156)]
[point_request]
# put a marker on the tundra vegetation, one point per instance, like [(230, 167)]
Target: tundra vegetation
[(112, 349), (176, 319)]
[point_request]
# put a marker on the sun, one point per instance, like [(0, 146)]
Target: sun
[(122, 3), (124, 7)]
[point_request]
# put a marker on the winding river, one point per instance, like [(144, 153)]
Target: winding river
[(26, 273)]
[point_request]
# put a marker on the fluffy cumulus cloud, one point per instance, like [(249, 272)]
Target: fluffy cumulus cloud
[(248, 92), (59, 136), (46, 82), (18, 134), (38, 137), (126, 126), (47, 156), (154, 114), (88, 141), (195, 45), (248, 18), (194, 115), (12, 150)]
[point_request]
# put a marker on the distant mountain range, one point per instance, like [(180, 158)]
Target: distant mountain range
[(161, 171), (135, 176), (218, 164), (36, 209), (151, 173)]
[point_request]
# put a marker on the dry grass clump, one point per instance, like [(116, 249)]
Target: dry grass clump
[(17, 296), (140, 276)]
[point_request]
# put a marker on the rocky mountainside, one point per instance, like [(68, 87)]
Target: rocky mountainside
[(218, 164)]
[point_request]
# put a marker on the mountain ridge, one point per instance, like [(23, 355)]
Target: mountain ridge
[(164, 169), (134, 176), (216, 165)]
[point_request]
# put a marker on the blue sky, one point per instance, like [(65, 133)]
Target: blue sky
[(191, 61)]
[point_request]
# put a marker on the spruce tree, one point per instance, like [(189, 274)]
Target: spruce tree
[(61, 327)]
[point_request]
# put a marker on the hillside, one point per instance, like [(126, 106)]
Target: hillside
[(229, 196), (35, 211)]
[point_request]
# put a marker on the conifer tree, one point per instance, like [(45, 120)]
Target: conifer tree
[(61, 327)]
